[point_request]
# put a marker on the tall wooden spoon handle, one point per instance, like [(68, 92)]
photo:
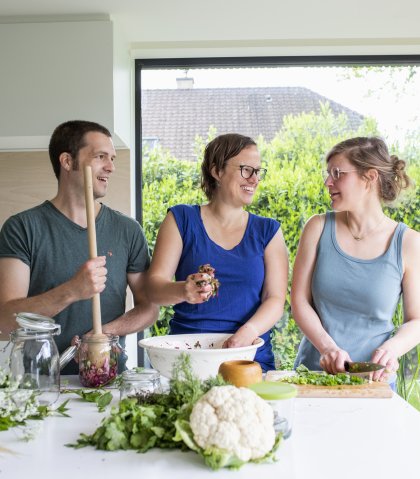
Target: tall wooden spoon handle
[(90, 215)]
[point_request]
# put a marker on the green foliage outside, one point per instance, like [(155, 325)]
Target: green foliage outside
[(292, 192)]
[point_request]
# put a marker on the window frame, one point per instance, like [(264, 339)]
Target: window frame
[(238, 62)]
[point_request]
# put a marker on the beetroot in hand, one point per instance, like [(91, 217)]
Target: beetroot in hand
[(214, 283)]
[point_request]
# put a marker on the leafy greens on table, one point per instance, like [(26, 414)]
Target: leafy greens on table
[(100, 397), (162, 420)]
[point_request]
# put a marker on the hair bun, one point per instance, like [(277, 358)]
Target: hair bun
[(397, 164)]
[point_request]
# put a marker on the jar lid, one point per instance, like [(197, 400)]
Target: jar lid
[(274, 390), (140, 374), (37, 322), (67, 355)]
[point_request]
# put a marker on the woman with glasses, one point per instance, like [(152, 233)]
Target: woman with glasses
[(247, 251), (354, 263)]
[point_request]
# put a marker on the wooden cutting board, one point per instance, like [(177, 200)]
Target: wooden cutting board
[(368, 390)]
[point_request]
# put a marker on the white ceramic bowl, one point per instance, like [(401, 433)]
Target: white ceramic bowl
[(205, 350)]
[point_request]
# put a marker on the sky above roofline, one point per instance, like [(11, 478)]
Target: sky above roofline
[(396, 109)]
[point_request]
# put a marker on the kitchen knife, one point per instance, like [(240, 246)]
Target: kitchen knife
[(362, 367)]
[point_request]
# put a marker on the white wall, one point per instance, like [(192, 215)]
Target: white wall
[(53, 72), (122, 87)]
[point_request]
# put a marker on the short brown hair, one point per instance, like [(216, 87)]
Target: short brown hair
[(217, 154), (69, 137), (371, 152)]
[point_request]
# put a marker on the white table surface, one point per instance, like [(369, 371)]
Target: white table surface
[(332, 438)]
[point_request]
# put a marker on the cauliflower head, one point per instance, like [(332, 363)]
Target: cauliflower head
[(235, 420)]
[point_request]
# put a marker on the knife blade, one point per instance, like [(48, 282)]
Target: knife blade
[(362, 367)]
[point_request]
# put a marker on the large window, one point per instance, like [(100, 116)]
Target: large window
[(296, 108)]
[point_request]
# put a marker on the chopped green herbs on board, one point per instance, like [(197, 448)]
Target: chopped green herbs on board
[(304, 376)]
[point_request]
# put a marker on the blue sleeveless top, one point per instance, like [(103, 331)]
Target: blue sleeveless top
[(354, 298), (239, 270)]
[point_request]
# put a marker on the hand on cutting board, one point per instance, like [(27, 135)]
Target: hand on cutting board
[(90, 278), (384, 355), (332, 360)]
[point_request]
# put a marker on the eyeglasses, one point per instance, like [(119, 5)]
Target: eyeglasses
[(248, 171), (335, 173)]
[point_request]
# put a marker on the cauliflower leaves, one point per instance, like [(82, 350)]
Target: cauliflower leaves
[(229, 427)]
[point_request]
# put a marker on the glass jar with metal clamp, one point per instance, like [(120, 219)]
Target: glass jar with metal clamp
[(34, 358)]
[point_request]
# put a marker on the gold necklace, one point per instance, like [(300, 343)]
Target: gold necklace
[(360, 238)]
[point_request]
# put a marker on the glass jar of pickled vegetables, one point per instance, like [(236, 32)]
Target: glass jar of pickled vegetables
[(98, 359), (34, 359), (139, 383)]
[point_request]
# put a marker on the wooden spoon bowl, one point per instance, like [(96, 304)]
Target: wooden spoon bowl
[(241, 373), (98, 349)]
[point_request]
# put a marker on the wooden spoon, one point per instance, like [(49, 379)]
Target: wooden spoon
[(98, 351)]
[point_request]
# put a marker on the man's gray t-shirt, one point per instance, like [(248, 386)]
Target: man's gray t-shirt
[(55, 248)]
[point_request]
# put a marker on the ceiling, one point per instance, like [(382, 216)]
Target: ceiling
[(70, 7), (129, 14), (231, 20)]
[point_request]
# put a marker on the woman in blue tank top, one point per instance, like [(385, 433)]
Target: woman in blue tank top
[(247, 251), (353, 265)]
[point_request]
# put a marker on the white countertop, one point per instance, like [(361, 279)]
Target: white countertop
[(332, 438)]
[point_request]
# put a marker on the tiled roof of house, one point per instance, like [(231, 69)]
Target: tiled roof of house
[(176, 116)]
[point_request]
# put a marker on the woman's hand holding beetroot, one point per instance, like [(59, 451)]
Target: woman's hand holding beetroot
[(201, 286)]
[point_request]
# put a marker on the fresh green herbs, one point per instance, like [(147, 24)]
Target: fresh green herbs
[(149, 421), (17, 406), (100, 397), (304, 376), (162, 420)]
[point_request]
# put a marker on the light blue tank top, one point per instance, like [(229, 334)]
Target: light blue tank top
[(354, 298), (240, 271)]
